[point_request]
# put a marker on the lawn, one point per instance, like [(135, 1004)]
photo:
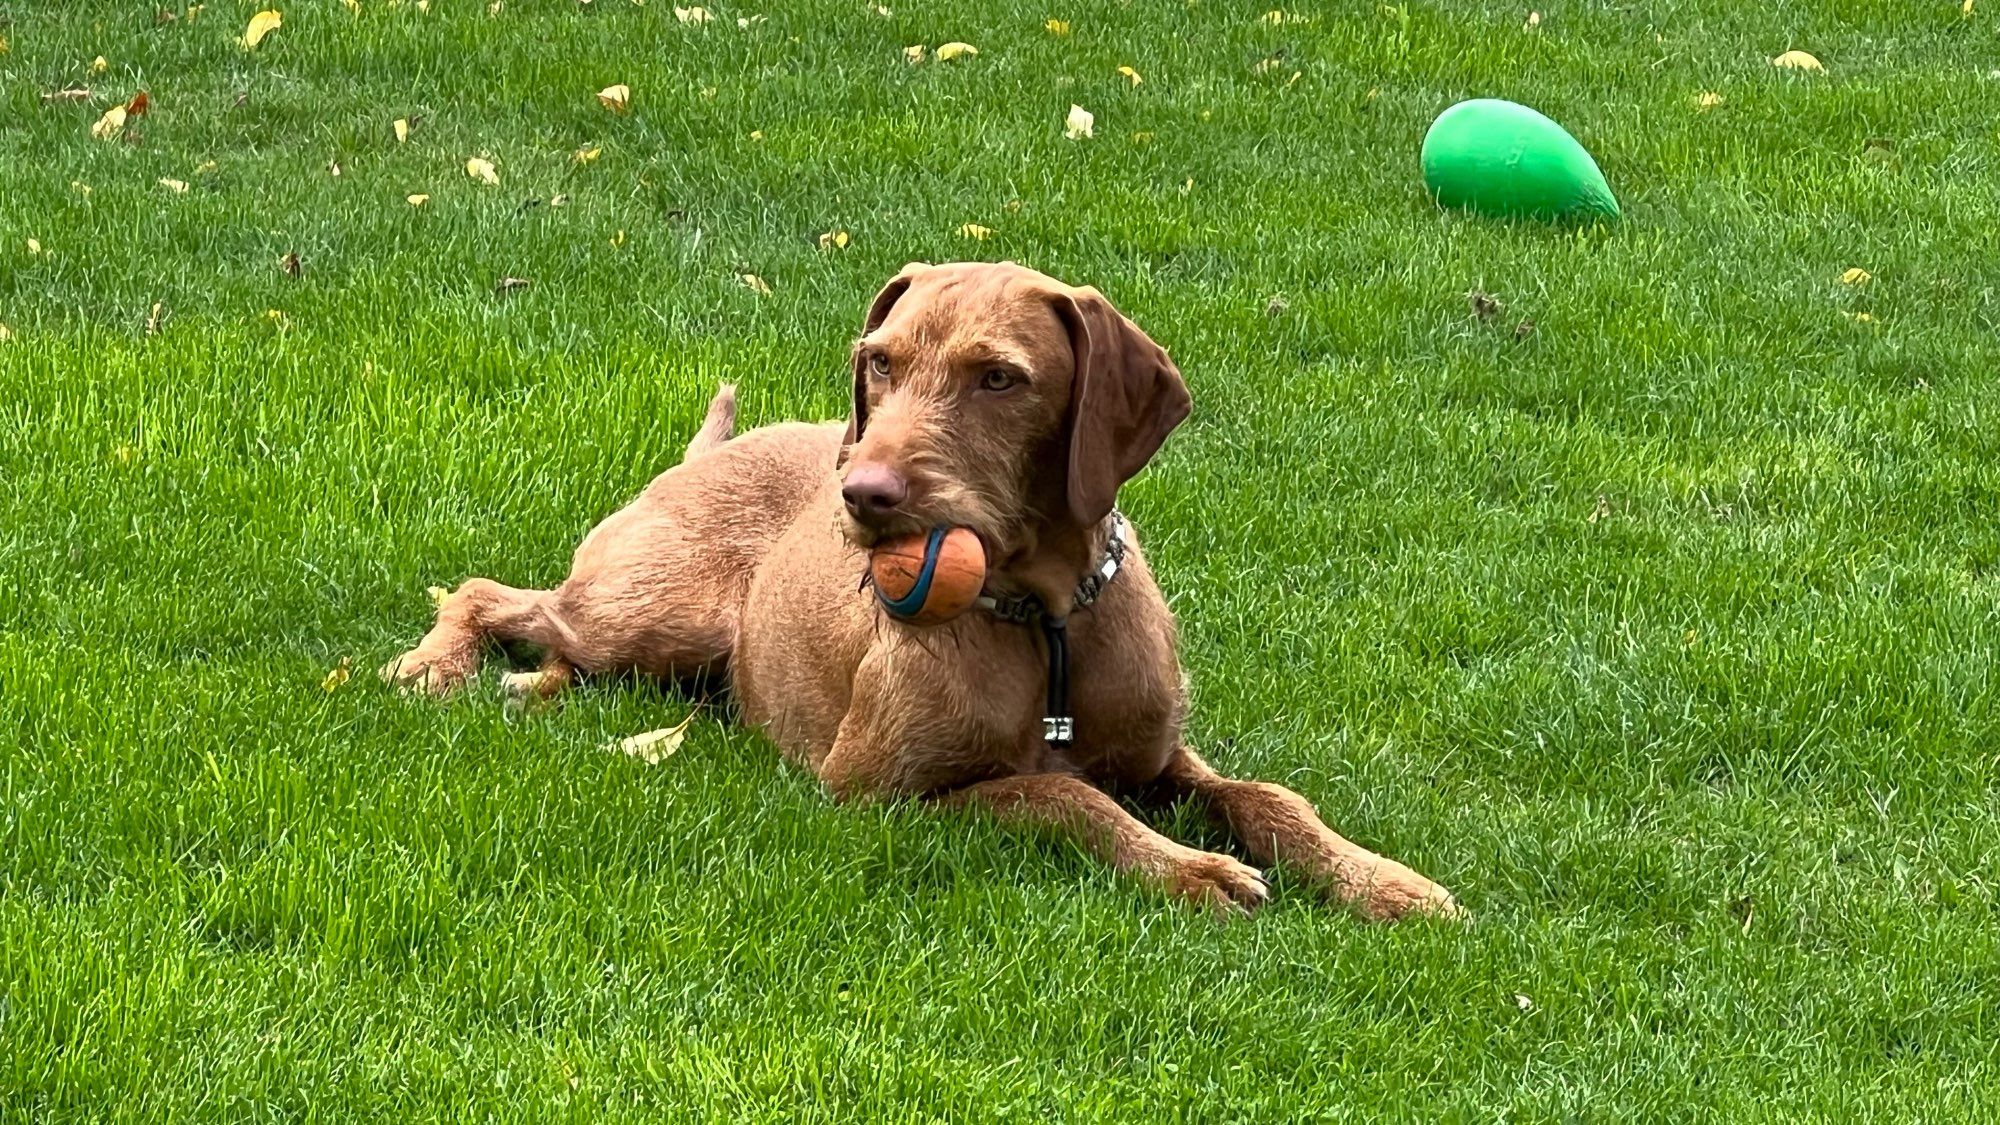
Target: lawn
[(1651, 612)]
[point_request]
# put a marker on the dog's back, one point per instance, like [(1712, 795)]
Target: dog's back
[(659, 585)]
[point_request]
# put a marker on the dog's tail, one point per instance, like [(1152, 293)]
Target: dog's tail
[(718, 427)]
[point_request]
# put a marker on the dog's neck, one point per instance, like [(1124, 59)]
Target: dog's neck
[(1054, 558)]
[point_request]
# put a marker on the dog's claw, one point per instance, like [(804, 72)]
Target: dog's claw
[(1218, 882)]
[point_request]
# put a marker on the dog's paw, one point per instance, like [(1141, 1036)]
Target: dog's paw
[(1216, 881), (419, 672), (1387, 891)]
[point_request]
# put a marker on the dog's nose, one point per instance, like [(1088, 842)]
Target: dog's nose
[(873, 490)]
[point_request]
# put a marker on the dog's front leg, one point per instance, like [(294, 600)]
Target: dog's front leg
[(1277, 825), (1101, 824)]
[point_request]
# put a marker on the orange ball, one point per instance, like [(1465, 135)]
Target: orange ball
[(931, 578)]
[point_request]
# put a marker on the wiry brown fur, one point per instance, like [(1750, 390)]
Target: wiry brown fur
[(746, 558)]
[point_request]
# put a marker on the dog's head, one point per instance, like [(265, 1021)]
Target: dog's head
[(993, 397)]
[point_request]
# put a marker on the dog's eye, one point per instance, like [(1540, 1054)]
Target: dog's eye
[(998, 379), (878, 365)]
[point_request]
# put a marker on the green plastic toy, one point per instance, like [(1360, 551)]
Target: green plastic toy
[(1505, 160)]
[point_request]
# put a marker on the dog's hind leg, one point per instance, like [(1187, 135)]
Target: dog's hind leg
[(481, 609), (718, 427)]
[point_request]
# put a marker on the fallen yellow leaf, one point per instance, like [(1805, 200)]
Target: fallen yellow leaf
[(482, 170), (493, 9), (1862, 318), (79, 187), (437, 595), (6, 333), (1856, 276), (692, 15), (654, 746), (1057, 27), (1079, 124), (34, 247), (618, 239), (261, 24), (277, 319), (1965, 9), (98, 65), (880, 11), (178, 187), (833, 240), (204, 168), (756, 134), (1274, 16), (1131, 75), (951, 51), (1707, 100), (1534, 20), (337, 676), (1796, 60), (353, 6), (617, 99), (755, 284), (417, 200), (586, 155), (402, 128), (110, 125), (914, 55), (423, 5), (561, 199), (975, 232), (156, 318)]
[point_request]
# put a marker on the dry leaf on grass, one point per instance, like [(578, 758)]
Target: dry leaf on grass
[(755, 284), (1856, 276), (34, 247), (111, 125), (1707, 100), (417, 200), (156, 318), (915, 54), (586, 155), (1796, 60), (654, 746), (1079, 124), (6, 333), (402, 128), (510, 284), (692, 15), (290, 264), (975, 232), (1057, 27), (617, 99), (98, 65), (833, 240), (481, 169), (1131, 75), (178, 187), (140, 103), (72, 94), (261, 24), (952, 51), (338, 675)]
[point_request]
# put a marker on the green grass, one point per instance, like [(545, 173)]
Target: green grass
[(1662, 635)]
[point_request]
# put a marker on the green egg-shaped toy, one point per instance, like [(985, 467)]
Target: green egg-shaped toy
[(1505, 160)]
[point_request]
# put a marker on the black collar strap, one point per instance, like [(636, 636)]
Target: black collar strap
[(1023, 608), (1058, 725)]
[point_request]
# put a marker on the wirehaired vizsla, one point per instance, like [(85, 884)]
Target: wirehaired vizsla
[(989, 397)]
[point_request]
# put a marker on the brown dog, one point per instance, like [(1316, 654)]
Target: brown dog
[(985, 396)]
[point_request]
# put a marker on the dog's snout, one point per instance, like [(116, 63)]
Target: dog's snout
[(873, 491)]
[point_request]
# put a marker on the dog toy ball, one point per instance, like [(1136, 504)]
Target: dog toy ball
[(1504, 160), (931, 578)]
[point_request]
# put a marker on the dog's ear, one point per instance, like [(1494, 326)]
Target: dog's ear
[(878, 311), (1125, 398)]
